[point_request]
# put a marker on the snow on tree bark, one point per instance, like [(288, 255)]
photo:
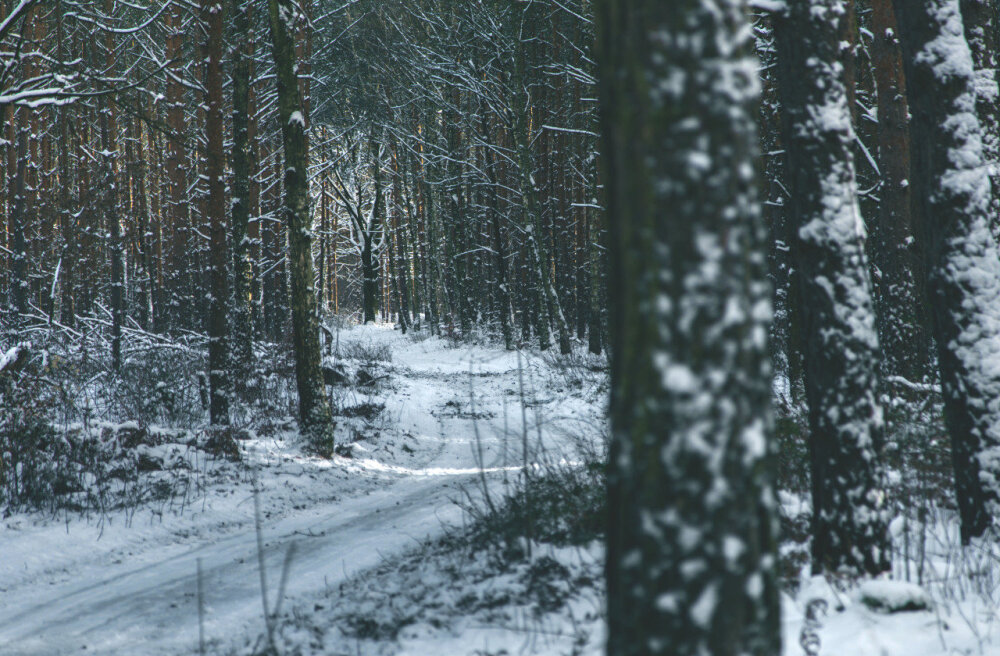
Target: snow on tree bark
[(839, 339), (691, 552), (980, 22), (315, 419), (960, 252)]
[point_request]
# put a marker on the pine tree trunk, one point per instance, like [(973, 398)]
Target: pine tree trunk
[(397, 253), (981, 23), (254, 231), (142, 230), (242, 329), (369, 284), (218, 329), (691, 539), (369, 264), (594, 328), (67, 313), (18, 220), (839, 339), (951, 179), (315, 419), (177, 166), (113, 221), (110, 205), (900, 323)]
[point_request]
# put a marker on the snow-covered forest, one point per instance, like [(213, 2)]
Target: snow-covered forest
[(494, 327)]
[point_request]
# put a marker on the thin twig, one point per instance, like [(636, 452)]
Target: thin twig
[(260, 566)]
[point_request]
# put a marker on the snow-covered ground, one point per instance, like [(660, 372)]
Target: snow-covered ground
[(126, 584), (370, 573)]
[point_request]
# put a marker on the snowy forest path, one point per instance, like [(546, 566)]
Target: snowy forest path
[(130, 609), (64, 588)]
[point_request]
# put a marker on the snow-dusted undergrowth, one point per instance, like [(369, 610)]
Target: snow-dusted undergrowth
[(433, 423), (419, 537)]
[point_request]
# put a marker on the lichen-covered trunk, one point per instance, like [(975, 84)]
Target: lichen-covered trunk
[(691, 538), (951, 179), (838, 323), (315, 419)]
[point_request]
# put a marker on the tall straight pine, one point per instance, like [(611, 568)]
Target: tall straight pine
[(315, 419), (691, 546), (218, 326)]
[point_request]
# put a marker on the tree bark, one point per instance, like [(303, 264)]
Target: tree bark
[(314, 410), (369, 266), (18, 221), (839, 339), (397, 252), (900, 322), (67, 308), (691, 538), (980, 21), (177, 166), (110, 206), (960, 253), (242, 329), (218, 329)]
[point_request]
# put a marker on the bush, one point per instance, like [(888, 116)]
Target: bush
[(366, 354), (29, 449), (160, 385), (562, 506), (41, 469)]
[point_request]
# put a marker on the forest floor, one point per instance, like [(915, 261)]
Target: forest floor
[(404, 543), (125, 582)]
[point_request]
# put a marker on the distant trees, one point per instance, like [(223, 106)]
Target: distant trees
[(485, 111), (840, 347), (691, 538), (119, 142), (359, 192)]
